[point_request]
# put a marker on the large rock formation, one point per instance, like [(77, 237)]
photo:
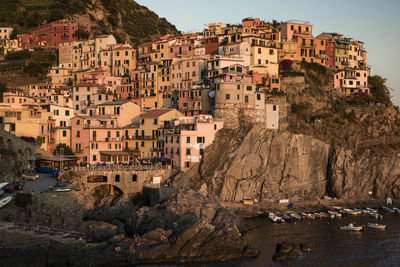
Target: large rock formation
[(267, 165)]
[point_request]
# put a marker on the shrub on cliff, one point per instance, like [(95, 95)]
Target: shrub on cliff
[(379, 90)]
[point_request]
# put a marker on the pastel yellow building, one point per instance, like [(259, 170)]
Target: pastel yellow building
[(147, 138)]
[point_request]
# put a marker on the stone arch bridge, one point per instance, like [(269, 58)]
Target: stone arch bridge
[(129, 179)]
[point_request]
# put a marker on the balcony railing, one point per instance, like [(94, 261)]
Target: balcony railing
[(101, 126)]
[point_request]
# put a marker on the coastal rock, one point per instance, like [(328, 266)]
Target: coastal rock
[(262, 165), (266, 165), (286, 251), (193, 228), (100, 231)]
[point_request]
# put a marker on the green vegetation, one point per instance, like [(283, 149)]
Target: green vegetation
[(3, 88), (17, 55), (302, 110), (379, 90), (396, 146), (137, 23), (66, 150)]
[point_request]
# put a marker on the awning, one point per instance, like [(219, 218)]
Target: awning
[(114, 153)]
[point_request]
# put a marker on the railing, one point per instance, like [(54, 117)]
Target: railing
[(140, 137), (101, 126), (120, 167)]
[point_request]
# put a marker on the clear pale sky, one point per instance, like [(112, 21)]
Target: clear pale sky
[(375, 22)]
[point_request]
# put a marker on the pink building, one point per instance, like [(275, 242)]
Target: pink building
[(191, 135), (179, 48), (98, 138), (293, 28), (350, 81)]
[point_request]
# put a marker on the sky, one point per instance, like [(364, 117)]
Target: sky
[(376, 23)]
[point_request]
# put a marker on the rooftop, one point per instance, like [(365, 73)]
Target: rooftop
[(155, 113)]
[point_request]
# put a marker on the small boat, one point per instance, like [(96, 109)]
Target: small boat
[(377, 226), (373, 210), (285, 217), (5, 201), (62, 190), (295, 216), (308, 215), (29, 177), (397, 210), (351, 227), (388, 209), (337, 208), (323, 215), (334, 214), (358, 211), (2, 185), (351, 212), (275, 219)]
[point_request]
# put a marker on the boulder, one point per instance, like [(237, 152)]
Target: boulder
[(286, 251), (98, 231)]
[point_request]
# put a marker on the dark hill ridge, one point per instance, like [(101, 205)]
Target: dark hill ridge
[(126, 19)]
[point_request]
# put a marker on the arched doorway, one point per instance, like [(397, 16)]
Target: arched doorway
[(106, 195)]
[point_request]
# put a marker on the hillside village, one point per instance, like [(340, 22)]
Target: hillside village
[(165, 100)]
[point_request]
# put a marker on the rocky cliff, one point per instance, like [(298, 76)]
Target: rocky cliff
[(266, 165)]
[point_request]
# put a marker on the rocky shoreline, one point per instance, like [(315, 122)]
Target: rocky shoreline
[(188, 227)]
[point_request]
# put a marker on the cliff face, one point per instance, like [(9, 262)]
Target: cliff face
[(268, 165)]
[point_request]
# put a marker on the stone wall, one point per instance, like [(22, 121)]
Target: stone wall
[(126, 182), (293, 85), (235, 115), (16, 155)]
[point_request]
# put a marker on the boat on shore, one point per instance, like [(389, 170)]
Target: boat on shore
[(388, 209), (29, 177), (351, 212), (308, 215), (5, 201), (373, 210), (376, 226), (397, 210), (285, 217), (62, 190), (274, 218), (351, 227)]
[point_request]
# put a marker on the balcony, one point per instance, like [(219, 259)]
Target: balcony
[(345, 63), (101, 126), (140, 137)]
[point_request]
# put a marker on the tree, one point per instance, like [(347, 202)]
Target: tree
[(3, 88), (56, 14), (82, 34), (63, 149), (379, 90)]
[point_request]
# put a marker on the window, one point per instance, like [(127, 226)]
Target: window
[(187, 151), (201, 151), (274, 107), (67, 113), (64, 134), (94, 157), (155, 121), (249, 88), (227, 96), (258, 97), (117, 178), (78, 134), (215, 127), (259, 50), (188, 139), (246, 99), (78, 122), (134, 178)]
